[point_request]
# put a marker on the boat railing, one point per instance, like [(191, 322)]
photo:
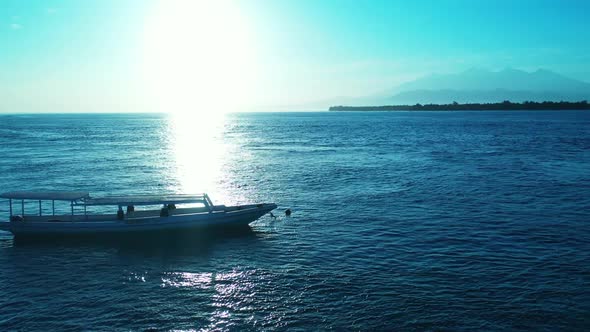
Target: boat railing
[(40, 196), (83, 199)]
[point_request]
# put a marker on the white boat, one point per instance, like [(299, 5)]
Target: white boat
[(179, 213)]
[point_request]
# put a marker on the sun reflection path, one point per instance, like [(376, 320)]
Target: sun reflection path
[(199, 152), (187, 279)]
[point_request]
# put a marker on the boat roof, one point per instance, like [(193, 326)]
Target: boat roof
[(46, 195), (146, 200)]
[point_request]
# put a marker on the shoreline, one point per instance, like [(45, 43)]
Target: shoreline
[(503, 106)]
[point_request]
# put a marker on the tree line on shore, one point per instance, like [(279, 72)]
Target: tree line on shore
[(503, 106)]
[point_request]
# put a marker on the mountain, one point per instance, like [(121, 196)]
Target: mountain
[(482, 96), (483, 86)]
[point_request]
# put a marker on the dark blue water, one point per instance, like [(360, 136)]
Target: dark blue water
[(402, 221)]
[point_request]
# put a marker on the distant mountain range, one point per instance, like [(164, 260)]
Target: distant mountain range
[(481, 86)]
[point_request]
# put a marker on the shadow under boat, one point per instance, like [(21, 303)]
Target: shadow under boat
[(200, 237), (148, 249)]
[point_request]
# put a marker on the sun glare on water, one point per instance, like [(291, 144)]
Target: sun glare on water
[(199, 152)]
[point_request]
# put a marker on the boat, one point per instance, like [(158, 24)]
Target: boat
[(173, 214)]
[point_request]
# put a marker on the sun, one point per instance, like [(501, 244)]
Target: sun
[(198, 57)]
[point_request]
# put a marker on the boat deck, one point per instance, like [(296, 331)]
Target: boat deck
[(135, 215)]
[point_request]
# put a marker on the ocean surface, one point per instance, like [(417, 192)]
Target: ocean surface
[(452, 221)]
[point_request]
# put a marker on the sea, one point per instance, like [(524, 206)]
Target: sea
[(401, 221)]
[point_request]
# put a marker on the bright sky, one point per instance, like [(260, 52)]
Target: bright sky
[(182, 55)]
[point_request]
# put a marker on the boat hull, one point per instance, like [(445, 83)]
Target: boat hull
[(176, 224)]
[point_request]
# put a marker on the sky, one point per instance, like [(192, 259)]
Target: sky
[(216, 56)]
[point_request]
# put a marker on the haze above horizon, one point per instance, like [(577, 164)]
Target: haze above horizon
[(209, 57)]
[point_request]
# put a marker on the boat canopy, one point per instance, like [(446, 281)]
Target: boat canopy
[(148, 200), (46, 195)]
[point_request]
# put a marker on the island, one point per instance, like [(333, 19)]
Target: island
[(503, 106)]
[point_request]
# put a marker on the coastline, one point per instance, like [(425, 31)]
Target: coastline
[(503, 106)]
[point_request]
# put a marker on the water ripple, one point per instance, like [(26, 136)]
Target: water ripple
[(402, 221)]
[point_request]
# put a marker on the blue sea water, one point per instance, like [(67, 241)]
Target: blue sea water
[(402, 221)]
